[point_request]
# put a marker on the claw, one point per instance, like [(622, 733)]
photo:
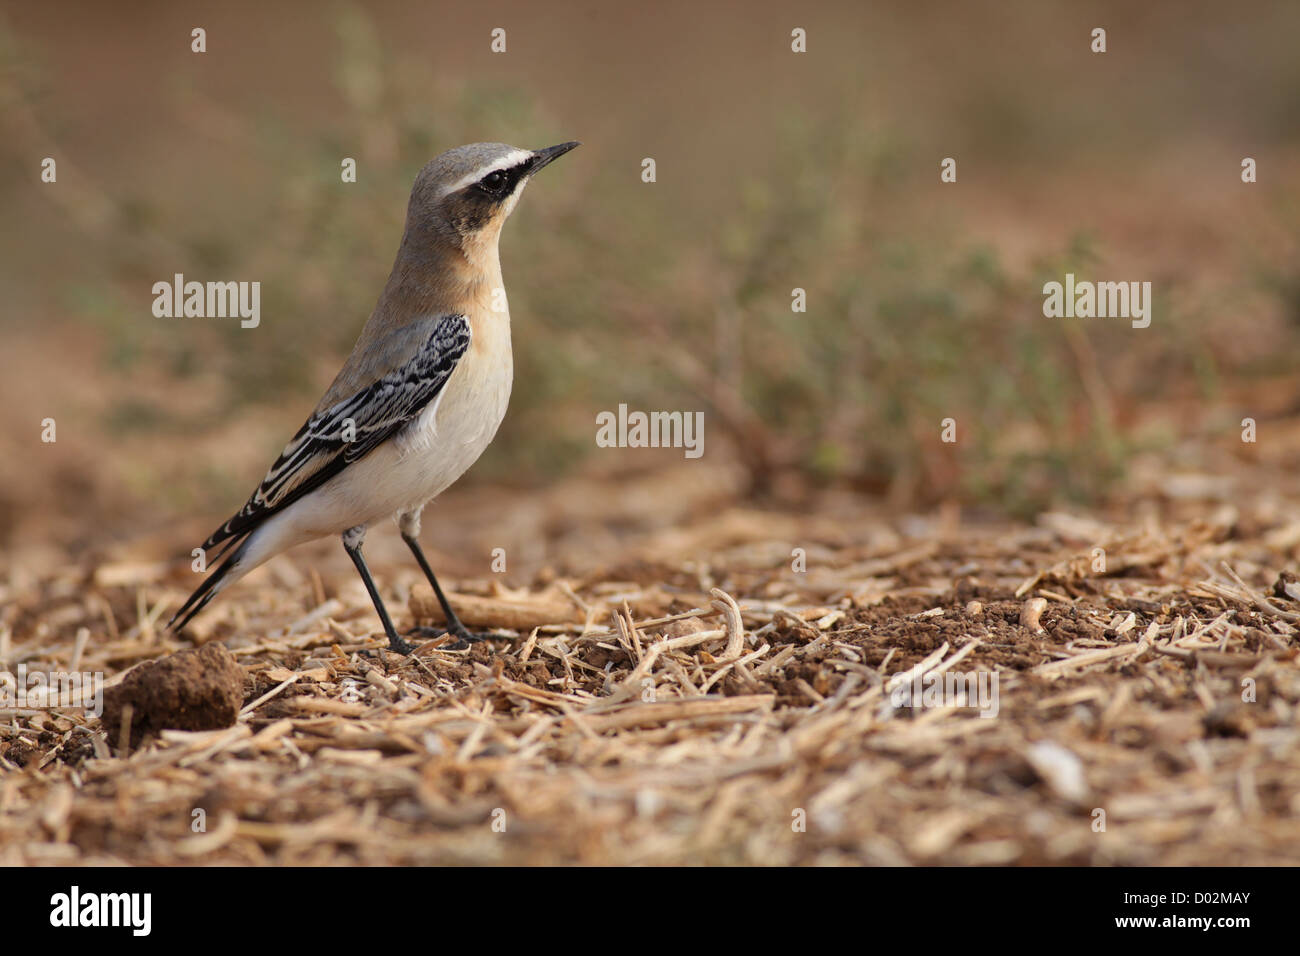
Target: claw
[(399, 646)]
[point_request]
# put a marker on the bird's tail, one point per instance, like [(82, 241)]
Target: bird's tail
[(212, 585)]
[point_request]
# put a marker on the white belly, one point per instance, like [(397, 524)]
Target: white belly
[(423, 459), (450, 435)]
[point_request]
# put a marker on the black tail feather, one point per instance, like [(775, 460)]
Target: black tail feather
[(206, 591)]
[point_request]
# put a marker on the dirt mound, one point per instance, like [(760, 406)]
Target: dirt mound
[(199, 689)]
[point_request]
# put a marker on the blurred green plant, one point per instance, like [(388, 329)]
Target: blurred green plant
[(906, 326)]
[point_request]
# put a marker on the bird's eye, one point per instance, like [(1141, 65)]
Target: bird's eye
[(493, 181)]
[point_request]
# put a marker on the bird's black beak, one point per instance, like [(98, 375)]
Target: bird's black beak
[(544, 157)]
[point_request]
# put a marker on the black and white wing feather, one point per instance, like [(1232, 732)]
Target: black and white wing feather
[(333, 438), (347, 431)]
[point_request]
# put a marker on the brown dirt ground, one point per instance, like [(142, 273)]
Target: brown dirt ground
[(765, 736)]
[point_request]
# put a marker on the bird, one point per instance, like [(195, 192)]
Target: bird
[(417, 401)]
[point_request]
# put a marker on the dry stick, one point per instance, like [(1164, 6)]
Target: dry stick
[(1260, 601), (690, 640), (526, 651), (533, 733), (79, 645), (632, 630), (1147, 641), (537, 694), (902, 677), (124, 731), (326, 705), (772, 663), (737, 663), (470, 745), (210, 842), (566, 589), (270, 734), (625, 637), (683, 678), (478, 611), (229, 742), (579, 721), (630, 685), (267, 696), (665, 711), (1207, 628), (653, 622), (106, 612), (725, 604), (965, 651)]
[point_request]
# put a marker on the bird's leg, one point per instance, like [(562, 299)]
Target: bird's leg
[(408, 523), (352, 539), (454, 626)]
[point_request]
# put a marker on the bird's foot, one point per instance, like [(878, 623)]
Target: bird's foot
[(462, 637), (395, 644), (399, 646)]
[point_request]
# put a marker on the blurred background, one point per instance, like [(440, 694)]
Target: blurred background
[(775, 171)]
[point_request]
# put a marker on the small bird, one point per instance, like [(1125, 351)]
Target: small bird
[(417, 401)]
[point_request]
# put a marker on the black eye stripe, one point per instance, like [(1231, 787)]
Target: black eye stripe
[(502, 181)]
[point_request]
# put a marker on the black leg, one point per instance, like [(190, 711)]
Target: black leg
[(454, 627), (395, 642)]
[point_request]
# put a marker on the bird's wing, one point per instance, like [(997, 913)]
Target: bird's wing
[(345, 432)]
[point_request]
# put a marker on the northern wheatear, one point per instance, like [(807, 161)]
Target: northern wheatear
[(418, 399)]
